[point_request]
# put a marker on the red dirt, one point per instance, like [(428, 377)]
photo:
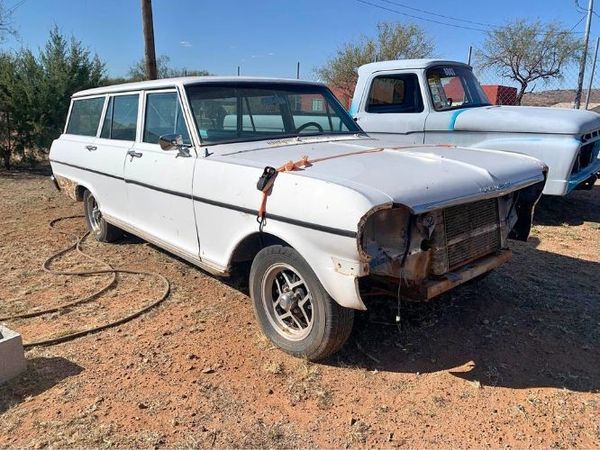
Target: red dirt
[(513, 361)]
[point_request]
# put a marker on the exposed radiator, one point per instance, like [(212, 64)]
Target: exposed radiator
[(471, 231)]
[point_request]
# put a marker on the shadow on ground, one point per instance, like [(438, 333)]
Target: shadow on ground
[(41, 374), (534, 323), (574, 209), (27, 173)]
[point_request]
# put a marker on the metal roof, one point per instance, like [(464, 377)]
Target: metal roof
[(401, 64), (181, 81)]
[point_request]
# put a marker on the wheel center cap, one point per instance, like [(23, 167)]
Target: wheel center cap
[(287, 300)]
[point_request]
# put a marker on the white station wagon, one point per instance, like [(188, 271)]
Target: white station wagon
[(225, 171)]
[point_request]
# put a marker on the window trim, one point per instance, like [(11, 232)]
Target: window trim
[(105, 110), (396, 75), (142, 111), (69, 114)]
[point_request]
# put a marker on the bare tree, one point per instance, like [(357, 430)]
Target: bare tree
[(529, 51), (393, 41)]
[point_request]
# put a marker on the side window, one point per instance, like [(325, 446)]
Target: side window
[(85, 116), (395, 94), (120, 121), (164, 116)]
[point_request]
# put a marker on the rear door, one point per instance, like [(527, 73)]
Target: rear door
[(116, 137), (159, 183), (393, 108), (79, 156)]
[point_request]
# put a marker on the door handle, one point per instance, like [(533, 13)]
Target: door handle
[(91, 148), (134, 154)]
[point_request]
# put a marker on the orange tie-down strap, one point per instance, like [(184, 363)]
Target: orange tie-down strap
[(305, 162)]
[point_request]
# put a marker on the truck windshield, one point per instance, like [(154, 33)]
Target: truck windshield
[(247, 111), (454, 87)]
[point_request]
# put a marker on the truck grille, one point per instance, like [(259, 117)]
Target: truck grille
[(472, 231)]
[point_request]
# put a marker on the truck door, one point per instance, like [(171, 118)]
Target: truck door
[(159, 183), (392, 108)]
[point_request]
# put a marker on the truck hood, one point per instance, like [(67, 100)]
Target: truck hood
[(525, 119), (420, 177)]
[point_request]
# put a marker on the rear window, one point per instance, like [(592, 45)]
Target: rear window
[(395, 94), (85, 116)]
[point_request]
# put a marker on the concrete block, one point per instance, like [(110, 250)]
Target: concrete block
[(12, 355)]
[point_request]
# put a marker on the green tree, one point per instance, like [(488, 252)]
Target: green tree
[(393, 41), (525, 52), (35, 92), (137, 72)]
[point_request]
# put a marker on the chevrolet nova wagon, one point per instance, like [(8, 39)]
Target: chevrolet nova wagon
[(227, 171)]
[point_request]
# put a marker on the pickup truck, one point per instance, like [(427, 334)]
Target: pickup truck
[(274, 174), (428, 101)]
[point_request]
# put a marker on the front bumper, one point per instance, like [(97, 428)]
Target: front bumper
[(584, 176), (433, 288)]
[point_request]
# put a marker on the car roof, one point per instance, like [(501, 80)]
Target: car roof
[(405, 64), (182, 81)]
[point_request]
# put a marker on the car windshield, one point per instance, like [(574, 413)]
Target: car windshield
[(246, 111), (454, 87)]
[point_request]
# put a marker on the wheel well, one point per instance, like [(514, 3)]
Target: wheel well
[(248, 247), (79, 191)]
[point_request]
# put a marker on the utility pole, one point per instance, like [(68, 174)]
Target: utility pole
[(589, 92), (298, 71), (586, 40), (470, 53), (149, 52)]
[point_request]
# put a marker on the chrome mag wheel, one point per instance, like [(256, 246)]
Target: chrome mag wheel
[(287, 302)]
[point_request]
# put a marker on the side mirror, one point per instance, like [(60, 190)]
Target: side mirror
[(170, 142)]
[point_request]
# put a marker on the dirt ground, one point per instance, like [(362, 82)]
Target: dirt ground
[(513, 361)]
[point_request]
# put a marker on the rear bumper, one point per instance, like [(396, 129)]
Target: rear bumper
[(433, 288), (54, 182)]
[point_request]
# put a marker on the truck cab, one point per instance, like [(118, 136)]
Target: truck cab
[(428, 101)]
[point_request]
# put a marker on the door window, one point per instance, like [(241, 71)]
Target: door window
[(395, 94), (85, 116), (120, 121), (164, 116)]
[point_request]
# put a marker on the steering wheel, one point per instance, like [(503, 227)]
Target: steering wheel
[(309, 124)]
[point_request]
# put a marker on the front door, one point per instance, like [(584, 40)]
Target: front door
[(159, 183)]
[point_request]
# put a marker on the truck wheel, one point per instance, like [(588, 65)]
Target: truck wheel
[(99, 228), (292, 307)]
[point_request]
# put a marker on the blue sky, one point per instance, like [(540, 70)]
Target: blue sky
[(264, 37)]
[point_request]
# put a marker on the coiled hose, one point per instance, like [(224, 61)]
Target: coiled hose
[(76, 245)]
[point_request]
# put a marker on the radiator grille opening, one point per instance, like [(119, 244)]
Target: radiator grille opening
[(472, 231)]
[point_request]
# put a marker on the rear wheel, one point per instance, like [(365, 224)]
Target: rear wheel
[(99, 228), (292, 307)]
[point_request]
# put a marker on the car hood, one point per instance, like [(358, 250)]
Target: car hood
[(525, 119), (420, 177)]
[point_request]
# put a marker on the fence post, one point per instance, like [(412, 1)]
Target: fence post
[(589, 92)]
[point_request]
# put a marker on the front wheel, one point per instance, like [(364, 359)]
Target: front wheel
[(99, 228), (292, 307)]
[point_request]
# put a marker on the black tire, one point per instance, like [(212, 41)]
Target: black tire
[(98, 227), (330, 324)]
